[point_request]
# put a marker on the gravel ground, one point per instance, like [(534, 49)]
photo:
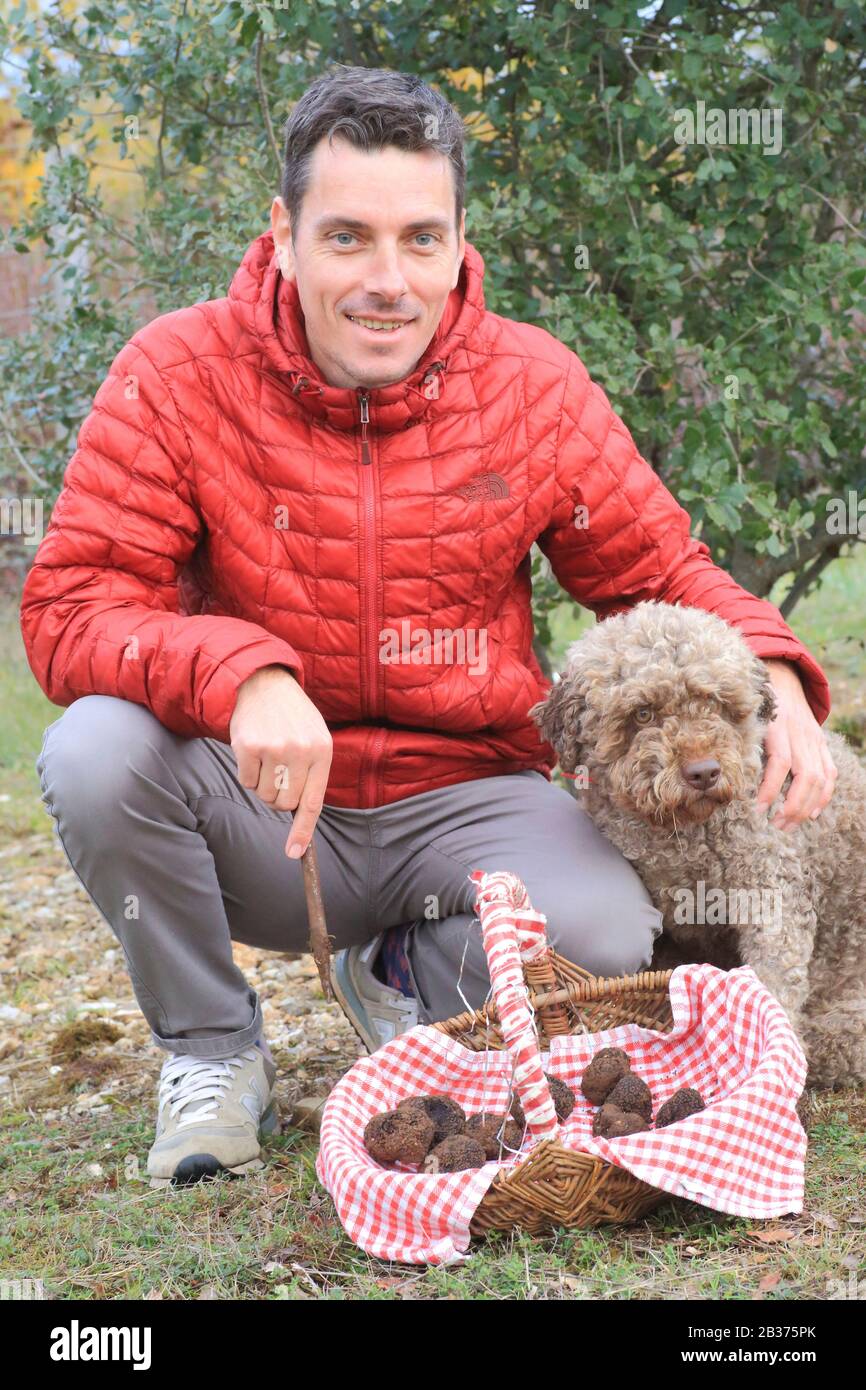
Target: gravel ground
[(73, 1038)]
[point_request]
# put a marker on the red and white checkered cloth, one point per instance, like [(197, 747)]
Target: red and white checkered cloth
[(731, 1040)]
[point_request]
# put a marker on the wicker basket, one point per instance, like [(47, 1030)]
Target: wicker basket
[(553, 1185)]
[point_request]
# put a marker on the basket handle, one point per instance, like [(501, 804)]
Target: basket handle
[(514, 936)]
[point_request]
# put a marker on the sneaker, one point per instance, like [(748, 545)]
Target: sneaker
[(376, 1011), (211, 1116)]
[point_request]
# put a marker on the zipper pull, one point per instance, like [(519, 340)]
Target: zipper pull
[(365, 420)]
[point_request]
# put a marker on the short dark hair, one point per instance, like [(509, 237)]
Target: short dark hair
[(371, 108)]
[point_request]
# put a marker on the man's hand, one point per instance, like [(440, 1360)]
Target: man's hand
[(283, 748), (795, 743)]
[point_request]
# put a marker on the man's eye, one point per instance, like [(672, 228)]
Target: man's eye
[(431, 238), (644, 715)]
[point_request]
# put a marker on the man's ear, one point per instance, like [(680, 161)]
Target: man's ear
[(765, 691), (461, 249), (281, 227), (558, 719)]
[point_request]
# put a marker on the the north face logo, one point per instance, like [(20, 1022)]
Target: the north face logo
[(484, 487)]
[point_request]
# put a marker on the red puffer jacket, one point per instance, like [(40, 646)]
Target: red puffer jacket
[(226, 509)]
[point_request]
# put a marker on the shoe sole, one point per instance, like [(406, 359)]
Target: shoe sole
[(349, 1002), (197, 1167)]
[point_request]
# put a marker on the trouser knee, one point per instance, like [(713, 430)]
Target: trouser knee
[(85, 764), (608, 937)]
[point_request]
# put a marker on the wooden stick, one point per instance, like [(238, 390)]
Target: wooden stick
[(320, 943)]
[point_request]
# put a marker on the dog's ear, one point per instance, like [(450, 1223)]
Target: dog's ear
[(768, 705), (558, 719)]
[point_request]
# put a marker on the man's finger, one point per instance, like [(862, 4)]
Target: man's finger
[(267, 789), (820, 783), (777, 769), (831, 772), (803, 796), (309, 807), (288, 780), (249, 768)]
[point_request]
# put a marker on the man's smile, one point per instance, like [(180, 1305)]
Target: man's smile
[(382, 328)]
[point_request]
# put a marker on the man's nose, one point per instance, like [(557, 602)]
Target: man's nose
[(384, 277)]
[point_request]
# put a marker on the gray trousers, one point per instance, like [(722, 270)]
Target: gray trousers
[(181, 860)]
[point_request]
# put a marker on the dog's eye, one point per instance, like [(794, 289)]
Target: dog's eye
[(644, 715)]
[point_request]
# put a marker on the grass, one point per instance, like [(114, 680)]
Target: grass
[(84, 1221), (77, 1211), (80, 1216), (26, 713)]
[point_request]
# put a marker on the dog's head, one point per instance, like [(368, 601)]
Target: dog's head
[(665, 707)]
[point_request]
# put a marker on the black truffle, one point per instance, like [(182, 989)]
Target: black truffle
[(446, 1116), (684, 1103), (603, 1072), (454, 1154), (613, 1123), (487, 1129), (563, 1097), (399, 1136), (630, 1093)]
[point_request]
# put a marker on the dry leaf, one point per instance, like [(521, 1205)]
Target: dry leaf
[(824, 1220), (9, 1044), (769, 1281), (774, 1234)]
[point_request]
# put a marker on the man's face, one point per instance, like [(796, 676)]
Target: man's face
[(376, 241)]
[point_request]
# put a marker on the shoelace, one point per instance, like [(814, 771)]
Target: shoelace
[(188, 1079)]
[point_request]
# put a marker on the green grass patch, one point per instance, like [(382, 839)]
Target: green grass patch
[(100, 1232)]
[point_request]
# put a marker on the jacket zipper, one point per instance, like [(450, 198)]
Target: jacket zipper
[(365, 420), (371, 692)]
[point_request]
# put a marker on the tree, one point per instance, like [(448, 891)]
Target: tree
[(715, 290)]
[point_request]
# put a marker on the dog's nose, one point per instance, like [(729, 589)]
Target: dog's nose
[(702, 774)]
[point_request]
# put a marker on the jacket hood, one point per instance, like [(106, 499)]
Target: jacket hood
[(269, 309)]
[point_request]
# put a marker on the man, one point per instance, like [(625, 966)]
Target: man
[(286, 590)]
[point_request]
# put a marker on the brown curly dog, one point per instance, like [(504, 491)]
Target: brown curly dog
[(660, 714)]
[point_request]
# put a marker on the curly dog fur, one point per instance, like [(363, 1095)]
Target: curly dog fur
[(662, 712)]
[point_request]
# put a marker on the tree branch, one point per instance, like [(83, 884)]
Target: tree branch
[(807, 576), (263, 103)]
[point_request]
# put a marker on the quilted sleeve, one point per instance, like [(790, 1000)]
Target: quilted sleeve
[(617, 536), (100, 604)]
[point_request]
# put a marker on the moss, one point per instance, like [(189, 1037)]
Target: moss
[(69, 1042)]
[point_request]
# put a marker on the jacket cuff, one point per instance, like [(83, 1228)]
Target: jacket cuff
[(220, 697)]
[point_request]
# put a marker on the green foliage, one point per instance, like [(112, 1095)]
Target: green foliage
[(718, 294)]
